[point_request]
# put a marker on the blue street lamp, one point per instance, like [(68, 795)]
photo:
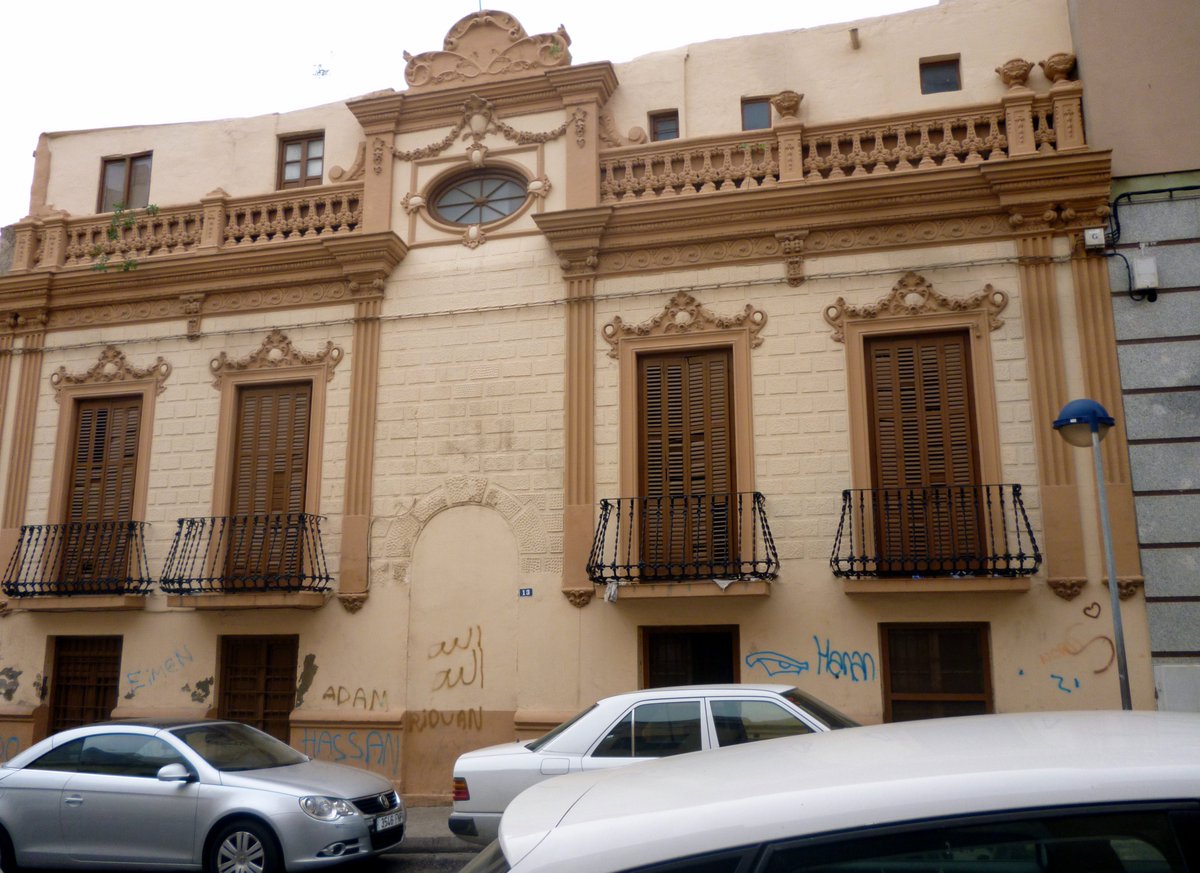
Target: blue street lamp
[(1081, 423)]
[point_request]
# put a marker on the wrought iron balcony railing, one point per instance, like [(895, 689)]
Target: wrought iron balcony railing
[(77, 558), (683, 538), (939, 530), (270, 552)]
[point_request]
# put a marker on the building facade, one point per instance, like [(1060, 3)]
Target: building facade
[(401, 425)]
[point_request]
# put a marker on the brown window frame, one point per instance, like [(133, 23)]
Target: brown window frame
[(664, 115), (985, 696), (757, 101), (257, 669), (304, 140), (83, 657), (124, 202)]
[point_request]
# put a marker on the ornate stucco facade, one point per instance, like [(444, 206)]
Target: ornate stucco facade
[(476, 527)]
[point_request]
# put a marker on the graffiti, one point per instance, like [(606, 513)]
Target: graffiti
[(376, 749), (39, 687), (1092, 610), (307, 673), (453, 676), (855, 665), (430, 719), (201, 691), (341, 695), (858, 666), (1062, 686), (1071, 647), (9, 746), (139, 679), (10, 679), (775, 663)]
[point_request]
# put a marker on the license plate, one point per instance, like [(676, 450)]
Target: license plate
[(384, 822)]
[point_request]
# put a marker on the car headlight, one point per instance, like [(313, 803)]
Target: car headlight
[(326, 808)]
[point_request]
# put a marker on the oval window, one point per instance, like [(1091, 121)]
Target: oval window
[(479, 198)]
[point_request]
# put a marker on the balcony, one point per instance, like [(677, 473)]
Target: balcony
[(687, 538), (955, 531), (79, 559), (240, 561)]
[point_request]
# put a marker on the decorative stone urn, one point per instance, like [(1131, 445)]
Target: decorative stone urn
[(1058, 66), (1014, 73)]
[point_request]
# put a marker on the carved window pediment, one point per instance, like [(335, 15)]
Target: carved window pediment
[(275, 353), (914, 296), (684, 314), (112, 367)]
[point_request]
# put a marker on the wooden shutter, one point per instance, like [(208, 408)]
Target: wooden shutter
[(686, 437), (934, 671), (83, 686), (258, 681), (101, 486), (270, 472), (923, 435)]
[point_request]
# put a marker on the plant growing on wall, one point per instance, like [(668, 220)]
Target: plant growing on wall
[(122, 220)]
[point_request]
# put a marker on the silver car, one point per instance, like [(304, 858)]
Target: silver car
[(214, 795)]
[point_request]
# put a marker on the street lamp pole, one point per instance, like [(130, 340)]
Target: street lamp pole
[(1082, 422)]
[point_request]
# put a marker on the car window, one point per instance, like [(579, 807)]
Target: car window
[(126, 755), (1108, 842), (64, 758), (746, 721), (235, 746), (541, 741), (820, 710), (654, 730)]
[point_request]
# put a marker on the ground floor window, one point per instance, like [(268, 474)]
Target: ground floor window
[(935, 670), (258, 681), (83, 680), (689, 655)]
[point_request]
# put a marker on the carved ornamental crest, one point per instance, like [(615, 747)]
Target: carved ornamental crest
[(684, 314), (912, 295), (276, 352), (111, 367)]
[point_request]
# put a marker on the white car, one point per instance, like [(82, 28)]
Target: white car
[(626, 729), (1063, 792)]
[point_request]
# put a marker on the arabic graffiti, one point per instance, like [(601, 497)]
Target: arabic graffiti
[(460, 673)]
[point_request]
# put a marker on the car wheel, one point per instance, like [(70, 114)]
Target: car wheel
[(8, 857), (244, 847)]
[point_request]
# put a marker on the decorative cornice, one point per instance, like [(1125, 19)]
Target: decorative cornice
[(1128, 586), (579, 597), (112, 367), (353, 602), (1067, 588), (684, 314), (912, 296), (276, 352)]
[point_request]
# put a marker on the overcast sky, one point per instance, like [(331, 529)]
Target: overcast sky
[(73, 65)]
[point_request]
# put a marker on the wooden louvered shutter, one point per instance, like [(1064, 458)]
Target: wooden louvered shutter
[(687, 464), (923, 449), (270, 473), (100, 499), (258, 682)]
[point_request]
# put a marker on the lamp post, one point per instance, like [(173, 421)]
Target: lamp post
[(1081, 423)]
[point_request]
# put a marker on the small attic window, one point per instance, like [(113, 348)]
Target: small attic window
[(940, 74)]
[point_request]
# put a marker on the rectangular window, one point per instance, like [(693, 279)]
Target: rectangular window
[(125, 181), (935, 671), (756, 113), (689, 656), (664, 125), (83, 684), (258, 681), (301, 160), (940, 74)]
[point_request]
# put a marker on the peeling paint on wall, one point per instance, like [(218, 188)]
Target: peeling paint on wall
[(10, 680), (201, 691)]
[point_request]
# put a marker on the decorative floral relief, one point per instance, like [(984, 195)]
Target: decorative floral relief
[(276, 352), (112, 366), (496, 36), (478, 120), (356, 171), (684, 314), (912, 295)]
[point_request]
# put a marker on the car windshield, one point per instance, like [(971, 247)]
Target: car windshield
[(232, 746), (534, 745), (826, 713)]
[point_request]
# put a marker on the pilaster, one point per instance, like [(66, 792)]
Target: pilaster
[(16, 489)]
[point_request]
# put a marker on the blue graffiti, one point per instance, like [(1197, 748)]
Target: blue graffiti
[(139, 679), (775, 663), (1061, 681), (857, 666), (9, 746), (376, 749)]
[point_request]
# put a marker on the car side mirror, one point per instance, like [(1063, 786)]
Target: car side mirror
[(174, 773)]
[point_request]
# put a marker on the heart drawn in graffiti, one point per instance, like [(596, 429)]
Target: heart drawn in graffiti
[(1092, 610)]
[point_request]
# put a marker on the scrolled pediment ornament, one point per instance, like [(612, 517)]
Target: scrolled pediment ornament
[(477, 121), (913, 296), (684, 314), (276, 352), (112, 367)]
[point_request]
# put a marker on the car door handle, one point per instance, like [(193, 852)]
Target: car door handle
[(73, 800)]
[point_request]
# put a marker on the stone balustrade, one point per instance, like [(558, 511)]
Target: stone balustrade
[(217, 222)]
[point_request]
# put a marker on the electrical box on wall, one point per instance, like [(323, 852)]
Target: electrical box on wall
[(1145, 273), (1093, 237)]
